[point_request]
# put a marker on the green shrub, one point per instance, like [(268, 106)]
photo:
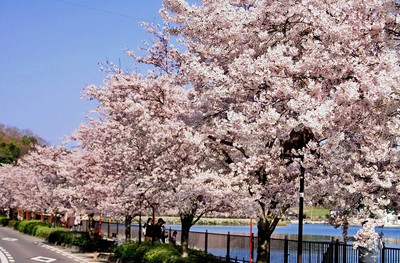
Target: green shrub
[(160, 253), (132, 252), (14, 223), (33, 227), (126, 252), (44, 231), (82, 240), (65, 236), (4, 221), (198, 256), (21, 225), (30, 227)]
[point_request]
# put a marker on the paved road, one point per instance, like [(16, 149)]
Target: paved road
[(16, 247)]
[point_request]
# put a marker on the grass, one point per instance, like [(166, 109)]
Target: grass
[(315, 213)]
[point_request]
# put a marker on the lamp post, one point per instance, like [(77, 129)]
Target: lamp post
[(140, 218), (298, 140), (301, 208)]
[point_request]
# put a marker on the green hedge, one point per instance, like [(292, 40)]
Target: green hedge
[(67, 237), (82, 240), (4, 221), (34, 227), (160, 253), (45, 232), (13, 223), (30, 227)]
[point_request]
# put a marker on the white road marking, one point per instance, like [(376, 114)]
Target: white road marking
[(9, 239), (44, 259), (69, 255)]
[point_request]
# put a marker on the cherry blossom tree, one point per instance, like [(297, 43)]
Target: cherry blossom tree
[(291, 88), (189, 184), (8, 186), (117, 168), (56, 180), (40, 175), (146, 146), (31, 182)]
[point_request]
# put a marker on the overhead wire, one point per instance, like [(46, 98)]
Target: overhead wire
[(104, 11)]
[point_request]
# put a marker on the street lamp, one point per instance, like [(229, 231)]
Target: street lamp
[(301, 208), (298, 139), (140, 218)]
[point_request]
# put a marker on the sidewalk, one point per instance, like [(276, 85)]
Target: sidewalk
[(73, 252)]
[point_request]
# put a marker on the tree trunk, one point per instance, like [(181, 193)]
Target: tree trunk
[(186, 222), (91, 224), (11, 213), (128, 221), (265, 230)]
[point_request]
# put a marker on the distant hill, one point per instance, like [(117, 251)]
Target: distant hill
[(14, 143)]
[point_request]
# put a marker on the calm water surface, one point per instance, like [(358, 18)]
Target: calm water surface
[(311, 232), (314, 232)]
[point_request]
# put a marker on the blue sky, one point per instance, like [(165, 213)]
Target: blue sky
[(51, 49)]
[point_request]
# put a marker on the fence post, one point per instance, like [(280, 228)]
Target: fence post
[(206, 242), (117, 227), (140, 222), (99, 227), (108, 228), (337, 251), (383, 256), (251, 239), (330, 249), (252, 247), (345, 252), (228, 243), (286, 250), (269, 249)]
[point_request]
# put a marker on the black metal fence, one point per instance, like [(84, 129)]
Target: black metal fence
[(237, 248)]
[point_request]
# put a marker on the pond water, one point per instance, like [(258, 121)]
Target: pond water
[(312, 232)]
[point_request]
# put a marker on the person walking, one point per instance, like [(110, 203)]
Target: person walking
[(159, 231), (148, 230)]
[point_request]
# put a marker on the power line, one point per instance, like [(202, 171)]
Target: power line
[(103, 10)]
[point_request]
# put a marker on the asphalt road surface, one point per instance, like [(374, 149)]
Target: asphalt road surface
[(16, 247)]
